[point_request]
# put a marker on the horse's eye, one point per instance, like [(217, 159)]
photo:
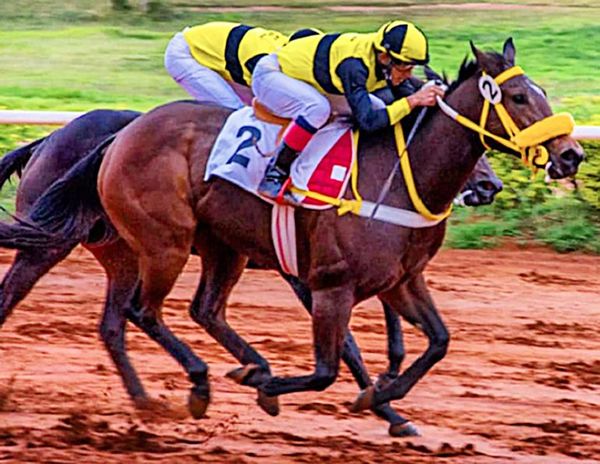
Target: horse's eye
[(519, 99)]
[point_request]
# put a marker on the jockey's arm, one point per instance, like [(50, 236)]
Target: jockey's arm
[(353, 73), (390, 94)]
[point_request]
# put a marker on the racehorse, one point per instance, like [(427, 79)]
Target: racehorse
[(46, 160), (150, 183)]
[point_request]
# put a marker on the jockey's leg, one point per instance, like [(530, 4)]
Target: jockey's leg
[(202, 83), (245, 93), (289, 98)]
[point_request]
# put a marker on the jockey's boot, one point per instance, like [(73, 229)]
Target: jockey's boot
[(277, 172)]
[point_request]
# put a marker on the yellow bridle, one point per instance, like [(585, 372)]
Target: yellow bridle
[(527, 142)]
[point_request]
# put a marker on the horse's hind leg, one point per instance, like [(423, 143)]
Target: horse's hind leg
[(27, 268), (221, 269), (399, 426), (158, 274), (422, 313), (120, 265), (158, 224)]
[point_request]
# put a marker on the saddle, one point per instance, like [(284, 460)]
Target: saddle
[(318, 178)]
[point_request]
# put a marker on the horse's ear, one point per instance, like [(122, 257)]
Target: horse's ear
[(483, 61), (431, 75), (474, 49), (509, 51)]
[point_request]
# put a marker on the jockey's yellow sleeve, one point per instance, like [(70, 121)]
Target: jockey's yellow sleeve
[(231, 49), (397, 110), (343, 64)]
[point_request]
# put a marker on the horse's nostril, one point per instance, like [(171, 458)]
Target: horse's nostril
[(486, 186), (570, 156)]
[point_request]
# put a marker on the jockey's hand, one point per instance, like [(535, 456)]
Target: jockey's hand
[(426, 96)]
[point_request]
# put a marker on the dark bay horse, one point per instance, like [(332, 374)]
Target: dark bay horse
[(47, 159), (42, 162), (151, 186)]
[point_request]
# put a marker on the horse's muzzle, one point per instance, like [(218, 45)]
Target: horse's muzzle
[(570, 160), (484, 192)]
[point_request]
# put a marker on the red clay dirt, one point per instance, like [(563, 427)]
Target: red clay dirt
[(520, 383)]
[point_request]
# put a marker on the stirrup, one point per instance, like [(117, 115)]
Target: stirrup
[(285, 197), (273, 183)]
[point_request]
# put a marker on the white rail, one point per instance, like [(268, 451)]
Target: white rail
[(60, 118), (586, 133), (40, 118)]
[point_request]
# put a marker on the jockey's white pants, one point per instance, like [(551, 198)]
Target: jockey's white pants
[(202, 83), (286, 96), (291, 98)]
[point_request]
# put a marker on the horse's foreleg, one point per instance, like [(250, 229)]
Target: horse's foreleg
[(221, 269), (423, 314), (28, 267), (395, 339), (353, 359), (331, 314)]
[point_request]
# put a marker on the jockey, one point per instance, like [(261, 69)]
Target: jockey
[(302, 79), (213, 62)]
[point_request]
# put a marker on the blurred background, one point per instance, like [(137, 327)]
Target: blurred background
[(87, 54)]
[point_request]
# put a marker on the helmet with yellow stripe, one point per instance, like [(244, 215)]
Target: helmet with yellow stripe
[(306, 32), (403, 41)]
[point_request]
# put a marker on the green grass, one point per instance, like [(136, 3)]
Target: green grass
[(563, 224), (79, 55), (49, 61)]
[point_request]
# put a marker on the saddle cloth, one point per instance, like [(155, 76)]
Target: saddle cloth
[(241, 153)]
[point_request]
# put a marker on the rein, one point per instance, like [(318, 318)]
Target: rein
[(388, 182)]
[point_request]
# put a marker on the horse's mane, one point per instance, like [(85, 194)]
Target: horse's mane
[(467, 69)]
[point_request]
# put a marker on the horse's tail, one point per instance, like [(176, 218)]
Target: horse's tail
[(66, 212), (15, 161), (23, 236)]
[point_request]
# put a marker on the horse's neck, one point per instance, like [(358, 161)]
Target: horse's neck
[(444, 153)]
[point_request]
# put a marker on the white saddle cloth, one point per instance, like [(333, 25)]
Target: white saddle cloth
[(243, 149)]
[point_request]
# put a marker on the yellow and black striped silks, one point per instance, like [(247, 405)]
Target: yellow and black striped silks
[(343, 64), (231, 49), (316, 59)]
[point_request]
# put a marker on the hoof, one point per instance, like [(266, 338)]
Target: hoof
[(407, 429), (242, 374), (269, 404), (198, 401), (364, 400)]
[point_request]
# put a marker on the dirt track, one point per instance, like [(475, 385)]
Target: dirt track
[(521, 381)]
